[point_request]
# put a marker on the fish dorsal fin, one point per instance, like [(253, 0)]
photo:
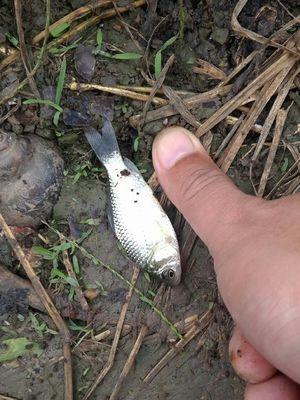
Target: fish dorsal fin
[(132, 167)]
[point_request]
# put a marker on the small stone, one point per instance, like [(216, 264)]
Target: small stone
[(29, 128), (17, 129), (153, 127), (91, 294), (219, 35), (85, 62), (68, 138), (45, 133)]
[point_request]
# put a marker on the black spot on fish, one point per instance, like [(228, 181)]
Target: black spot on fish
[(131, 190), (137, 193), (135, 201), (125, 172)]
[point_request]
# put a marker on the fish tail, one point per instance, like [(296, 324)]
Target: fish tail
[(105, 145)]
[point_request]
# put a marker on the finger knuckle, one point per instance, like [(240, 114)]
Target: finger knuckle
[(198, 183)]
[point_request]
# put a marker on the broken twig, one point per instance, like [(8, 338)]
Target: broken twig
[(113, 350), (50, 307), (280, 121), (179, 346), (115, 90), (129, 363)]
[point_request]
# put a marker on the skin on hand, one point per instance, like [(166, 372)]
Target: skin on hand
[(256, 249), (246, 361), (277, 388)]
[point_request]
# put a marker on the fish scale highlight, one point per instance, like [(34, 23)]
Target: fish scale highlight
[(139, 222)]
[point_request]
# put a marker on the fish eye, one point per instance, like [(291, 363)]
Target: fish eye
[(169, 274)]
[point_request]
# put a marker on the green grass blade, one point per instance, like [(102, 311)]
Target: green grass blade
[(157, 64), (99, 38), (56, 32), (127, 56), (56, 118), (158, 55), (45, 102), (61, 80), (169, 42)]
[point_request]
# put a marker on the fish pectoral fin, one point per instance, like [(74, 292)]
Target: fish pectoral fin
[(132, 167)]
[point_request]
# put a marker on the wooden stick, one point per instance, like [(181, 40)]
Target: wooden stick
[(284, 62), (127, 29), (180, 345), (23, 49), (129, 363), (209, 69), (95, 20), (229, 137), (148, 89), (253, 35), (74, 15), (288, 172), (266, 93), (239, 67), (180, 106), (115, 90), (157, 85), (280, 121), (7, 398), (76, 30), (281, 96), (69, 267), (48, 304), (113, 350), (191, 102)]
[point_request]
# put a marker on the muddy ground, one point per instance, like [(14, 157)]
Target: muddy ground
[(202, 370)]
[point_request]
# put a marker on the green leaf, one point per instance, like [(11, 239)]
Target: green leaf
[(99, 38), (158, 55), (157, 64), (127, 56), (84, 236), (12, 39), (17, 348), (102, 53), (63, 49), (55, 272), (59, 88), (56, 118), (136, 143), (56, 32), (284, 165), (61, 80), (46, 102), (62, 247), (45, 253), (169, 42), (75, 327), (76, 264), (71, 293)]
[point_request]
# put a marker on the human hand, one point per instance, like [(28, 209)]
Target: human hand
[(256, 249)]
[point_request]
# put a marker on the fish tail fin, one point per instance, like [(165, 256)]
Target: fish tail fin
[(105, 145)]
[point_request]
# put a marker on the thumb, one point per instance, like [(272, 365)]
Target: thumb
[(199, 189)]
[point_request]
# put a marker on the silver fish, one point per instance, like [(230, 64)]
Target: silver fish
[(139, 222)]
